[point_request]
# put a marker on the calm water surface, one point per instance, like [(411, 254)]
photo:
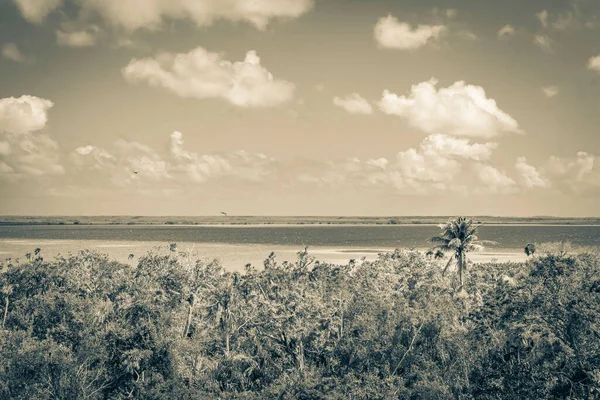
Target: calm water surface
[(236, 246), (506, 236)]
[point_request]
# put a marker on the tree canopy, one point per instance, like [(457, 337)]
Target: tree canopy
[(172, 326)]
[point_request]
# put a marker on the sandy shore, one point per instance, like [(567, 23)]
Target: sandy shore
[(232, 256)]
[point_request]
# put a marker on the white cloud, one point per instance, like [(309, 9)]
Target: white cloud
[(40, 157), (35, 11), (149, 14), (354, 104), (198, 167), (85, 150), (580, 16), (529, 176), (24, 114), (494, 180), (439, 165), (22, 152), (461, 110), (391, 34), (576, 175), (178, 166), (572, 169), (451, 13), (201, 74), (468, 35), (507, 31), (565, 21), (101, 158), (31, 155), (594, 63), (557, 21), (11, 51), (442, 145), (439, 158), (542, 16), (77, 38), (544, 42), (550, 91), (379, 163)]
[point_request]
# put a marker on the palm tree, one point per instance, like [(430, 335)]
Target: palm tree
[(459, 236)]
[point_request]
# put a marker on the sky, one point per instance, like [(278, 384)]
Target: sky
[(300, 107)]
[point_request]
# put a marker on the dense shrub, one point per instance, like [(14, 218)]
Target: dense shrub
[(86, 327)]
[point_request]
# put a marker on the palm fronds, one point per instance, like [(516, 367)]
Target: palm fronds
[(458, 236)]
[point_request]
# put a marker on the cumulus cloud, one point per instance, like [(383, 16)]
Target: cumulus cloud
[(77, 38), (578, 175), (573, 169), (178, 166), (439, 157), (101, 158), (23, 114), (35, 11), (150, 14), (451, 13), (444, 146), (11, 51), (439, 164), (542, 16), (529, 176), (507, 31), (30, 155), (22, 152), (354, 104), (543, 42), (201, 74), (199, 168), (461, 110), (392, 34), (494, 180), (378, 163), (550, 91), (580, 15), (594, 63)]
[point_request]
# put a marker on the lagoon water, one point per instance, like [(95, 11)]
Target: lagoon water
[(237, 245)]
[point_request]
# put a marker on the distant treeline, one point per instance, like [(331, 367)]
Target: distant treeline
[(266, 220), (167, 326)]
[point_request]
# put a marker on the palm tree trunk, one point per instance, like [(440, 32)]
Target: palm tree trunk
[(461, 268)]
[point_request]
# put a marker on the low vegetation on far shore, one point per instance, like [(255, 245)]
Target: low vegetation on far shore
[(168, 326), (279, 220)]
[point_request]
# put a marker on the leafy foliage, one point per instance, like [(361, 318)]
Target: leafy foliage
[(86, 327), (458, 237)]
